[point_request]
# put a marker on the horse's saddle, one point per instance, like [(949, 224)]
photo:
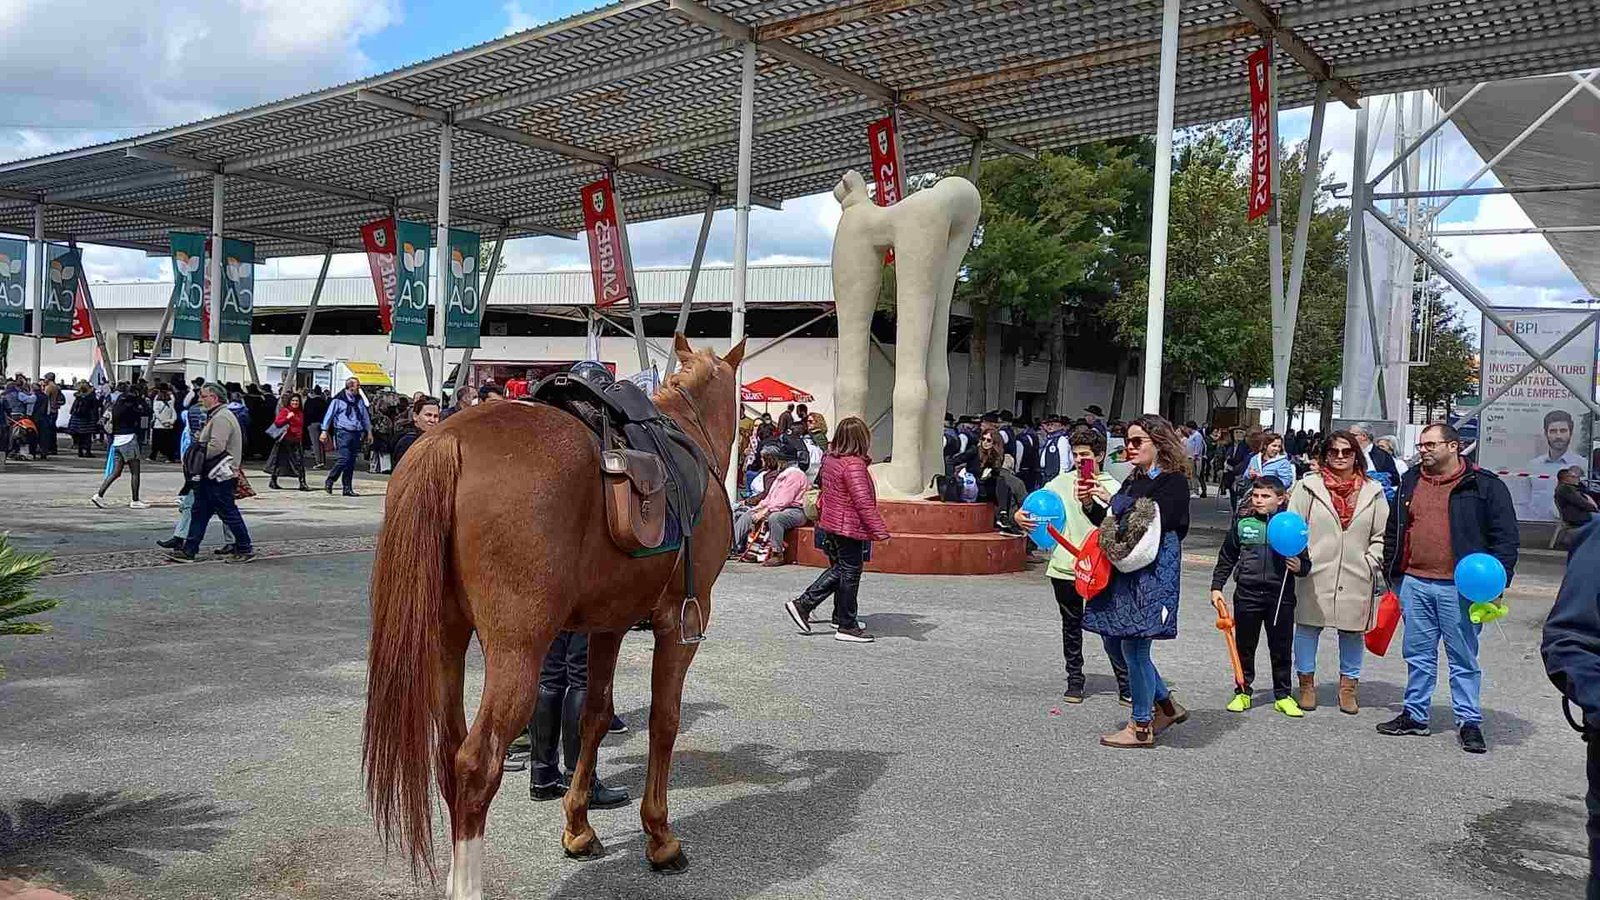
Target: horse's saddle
[(654, 475)]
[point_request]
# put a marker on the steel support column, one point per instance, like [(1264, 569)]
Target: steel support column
[(975, 168), (250, 362), (1297, 261), (1156, 311), (1282, 332), (214, 267), (37, 285), (741, 208), (687, 305), (441, 256), (483, 310), (635, 304), (1355, 378), (311, 314), (1584, 393), (161, 338), (94, 314)]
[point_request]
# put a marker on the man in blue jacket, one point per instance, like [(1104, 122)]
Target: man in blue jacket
[(348, 424), (1445, 509), (1571, 651)]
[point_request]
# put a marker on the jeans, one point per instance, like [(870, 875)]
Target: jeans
[(842, 580), (1071, 606), (1146, 683), (349, 443), (186, 515), (1433, 610), (780, 523), (216, 498), (1352, 648), (314, 438)]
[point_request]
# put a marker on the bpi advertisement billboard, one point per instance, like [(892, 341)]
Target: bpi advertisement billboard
[(1538, 427)]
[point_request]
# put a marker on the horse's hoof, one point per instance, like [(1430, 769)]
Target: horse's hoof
[(673, 865), (582, 848)]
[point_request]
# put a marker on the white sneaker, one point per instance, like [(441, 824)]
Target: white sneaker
[(138, 504), (98, 500)]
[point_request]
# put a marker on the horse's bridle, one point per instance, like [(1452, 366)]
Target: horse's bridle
[(699, 422)]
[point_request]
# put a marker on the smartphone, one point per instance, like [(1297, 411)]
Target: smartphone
[(1085, 469)]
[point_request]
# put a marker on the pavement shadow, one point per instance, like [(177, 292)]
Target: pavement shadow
[(1500, 727), (816, 794), (638, 719), (1205, 727), (900, 625), (1526, 848), (73, 836)]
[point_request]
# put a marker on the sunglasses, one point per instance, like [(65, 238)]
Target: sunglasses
[(1135, 443), (1341, 452)]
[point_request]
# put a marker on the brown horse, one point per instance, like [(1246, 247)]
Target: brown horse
[(495, 524)]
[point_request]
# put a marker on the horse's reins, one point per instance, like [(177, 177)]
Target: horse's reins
[(685, 550)]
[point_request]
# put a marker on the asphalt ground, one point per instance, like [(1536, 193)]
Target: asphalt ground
[(194, 732)]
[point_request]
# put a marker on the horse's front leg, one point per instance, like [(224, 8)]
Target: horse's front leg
[(578, 839), (671, 663)]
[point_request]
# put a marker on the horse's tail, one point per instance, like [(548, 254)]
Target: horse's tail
[(404, 658)]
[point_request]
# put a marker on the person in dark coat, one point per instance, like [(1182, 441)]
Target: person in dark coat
[(1140, 606), (84, 419), (424, 415), (1571, 651), (1446, 508)]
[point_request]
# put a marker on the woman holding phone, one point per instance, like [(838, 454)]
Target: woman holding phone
[(1074, 486)]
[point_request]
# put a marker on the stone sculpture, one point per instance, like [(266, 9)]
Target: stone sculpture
[(930, 232)]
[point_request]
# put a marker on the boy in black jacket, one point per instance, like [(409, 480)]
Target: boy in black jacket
[(1260, 576)]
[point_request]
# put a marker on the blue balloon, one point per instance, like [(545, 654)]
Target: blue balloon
[(1480, 577), (1046, 506), (1288, 533)]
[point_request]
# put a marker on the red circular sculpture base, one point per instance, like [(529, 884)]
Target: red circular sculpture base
[(932, 538)]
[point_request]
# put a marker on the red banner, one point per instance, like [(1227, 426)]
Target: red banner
[(377, 238), (606, 262), (82, 327), (886, 174), (1262, 138)]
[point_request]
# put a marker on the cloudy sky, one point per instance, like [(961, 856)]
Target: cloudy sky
[(150, 64)]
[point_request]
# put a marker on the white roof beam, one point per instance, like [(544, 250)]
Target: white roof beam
[(558, 148), (163, 218), (1267, 20), (695, 12)]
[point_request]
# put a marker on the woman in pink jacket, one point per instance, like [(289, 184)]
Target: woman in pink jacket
[(848, 510)]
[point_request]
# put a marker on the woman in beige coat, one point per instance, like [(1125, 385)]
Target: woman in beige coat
[(1347, 514)]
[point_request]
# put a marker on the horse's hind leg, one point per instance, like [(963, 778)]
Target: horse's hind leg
[(578, 839), (456, 635), (510, 678), (667, 672)]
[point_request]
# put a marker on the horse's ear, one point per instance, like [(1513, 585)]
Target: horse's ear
[(735, 356), (680, 345)]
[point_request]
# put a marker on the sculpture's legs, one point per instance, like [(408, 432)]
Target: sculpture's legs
[(917, 270), (939, 346), (857, 280)]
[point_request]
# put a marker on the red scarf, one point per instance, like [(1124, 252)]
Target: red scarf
[(1344, 494)]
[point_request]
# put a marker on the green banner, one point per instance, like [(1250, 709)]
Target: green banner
[(188, 285), (13, 287), (61, 290), (238, 291), (463, 312), (411, 287)]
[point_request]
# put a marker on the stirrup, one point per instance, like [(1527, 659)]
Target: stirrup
[(684, 637)]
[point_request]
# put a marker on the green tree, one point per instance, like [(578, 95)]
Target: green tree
[(1452, 355), (19, 572)]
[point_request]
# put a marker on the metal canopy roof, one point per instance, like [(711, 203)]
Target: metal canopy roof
[(651, 88), (1564, 149)]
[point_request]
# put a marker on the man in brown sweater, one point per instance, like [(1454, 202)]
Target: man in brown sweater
[(1445, 509)]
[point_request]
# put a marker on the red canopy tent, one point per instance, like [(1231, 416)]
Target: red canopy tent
[(771, 390)]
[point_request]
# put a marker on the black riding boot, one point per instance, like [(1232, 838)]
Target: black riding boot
[(600, 796), (544, 768)]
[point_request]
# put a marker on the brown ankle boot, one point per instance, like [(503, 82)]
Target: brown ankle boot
[(1132, 736), (1308, 691), (1347, 695), (1169, 712)]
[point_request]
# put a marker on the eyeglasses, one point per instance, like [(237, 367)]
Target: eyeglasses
[(1341, 451), (1135, 443), (1430, 446)]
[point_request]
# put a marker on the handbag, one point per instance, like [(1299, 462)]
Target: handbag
[(1091, 570), (1134, 540), (277, 431), (1386, 620)]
